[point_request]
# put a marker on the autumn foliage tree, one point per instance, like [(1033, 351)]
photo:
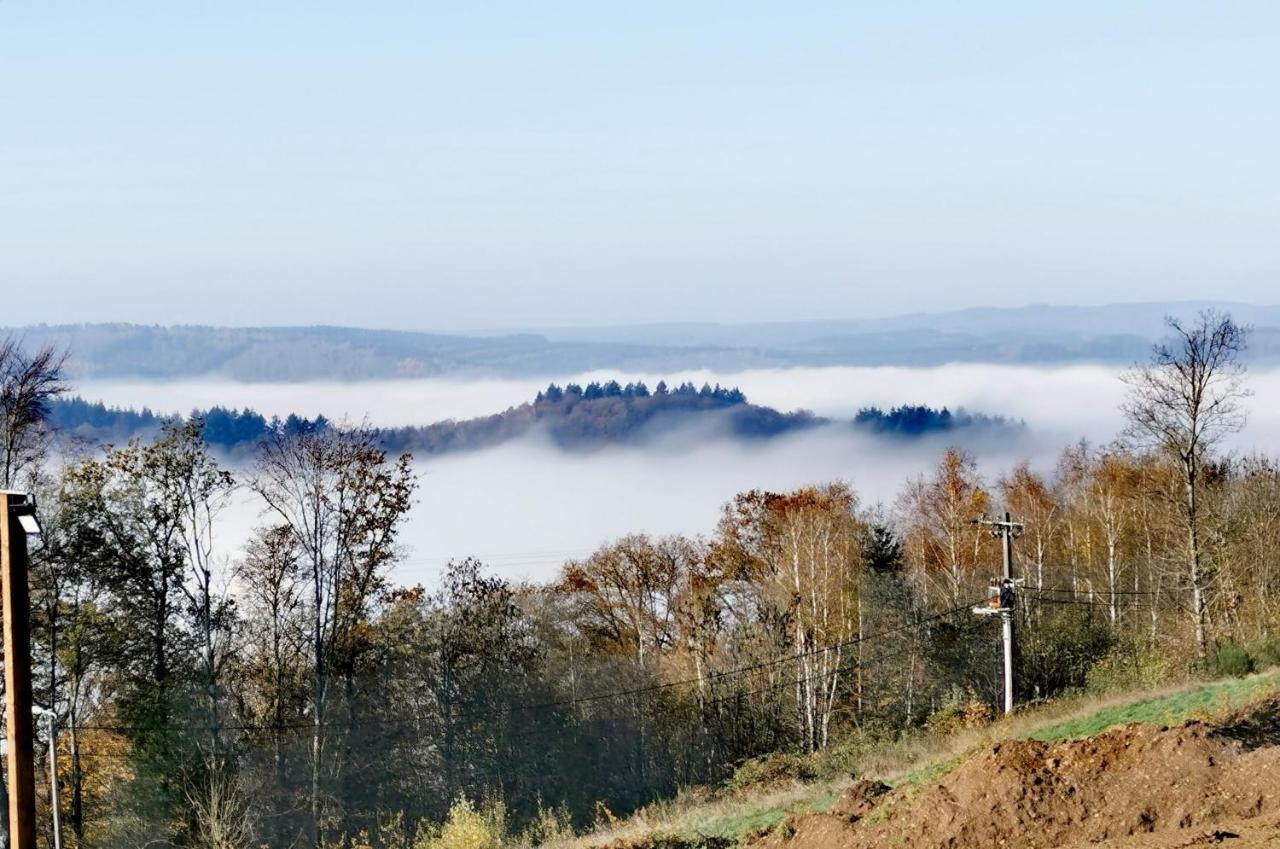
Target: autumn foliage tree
[(946, 549)]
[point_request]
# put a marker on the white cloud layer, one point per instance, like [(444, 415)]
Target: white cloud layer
[(525, 506)]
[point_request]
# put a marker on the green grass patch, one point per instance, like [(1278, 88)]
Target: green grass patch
[(752, 819), (931, 771), (1163, 710)]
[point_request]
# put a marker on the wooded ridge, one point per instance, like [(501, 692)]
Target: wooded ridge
[(573, 417)]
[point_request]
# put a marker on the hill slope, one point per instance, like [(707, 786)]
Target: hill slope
[(1185, 767), (1189, 780)]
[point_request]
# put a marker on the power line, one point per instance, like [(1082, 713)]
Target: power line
[(1077, 591), (539, 706), (1127, 600), (528, 733), (1078, 602), (610, 695)]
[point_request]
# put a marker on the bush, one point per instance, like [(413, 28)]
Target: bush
[(1055, 656), (549, 825), (960, 709), (1267, 653), (1131, 667), (1234, 660), (842, 758), (772, 769), (466, 828), (391, 834)]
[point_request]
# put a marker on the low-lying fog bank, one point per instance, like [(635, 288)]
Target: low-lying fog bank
[(525, 506), (1014, 391)]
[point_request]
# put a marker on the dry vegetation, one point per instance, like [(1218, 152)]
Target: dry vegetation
[(919, 759)]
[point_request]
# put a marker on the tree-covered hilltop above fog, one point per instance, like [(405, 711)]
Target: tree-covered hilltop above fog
[(599, 414), (918, 420), (226, 429), (573, 417)]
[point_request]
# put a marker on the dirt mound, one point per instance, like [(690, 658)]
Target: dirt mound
[(1138, 780), (671, 841), (1262, 832), (859, 800)]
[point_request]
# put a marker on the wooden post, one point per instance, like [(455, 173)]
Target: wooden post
[(17, 674)]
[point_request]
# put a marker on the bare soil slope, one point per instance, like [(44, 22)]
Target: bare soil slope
[(1139, 786)]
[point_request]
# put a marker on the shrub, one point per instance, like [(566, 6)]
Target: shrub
[(771, 769), (602, 817), (842, 758), (549, 825), (1130, 667), (1055, 656), (960, 709), (392, 833), (1233, 659), (466, 828), (1267, 652)]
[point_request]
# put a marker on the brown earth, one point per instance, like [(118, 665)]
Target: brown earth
[(1135, 786)]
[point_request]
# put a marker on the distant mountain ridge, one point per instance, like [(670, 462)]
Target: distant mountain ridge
[(1144, 319), (1117, 334)]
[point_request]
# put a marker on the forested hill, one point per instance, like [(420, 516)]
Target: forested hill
[(573, 417), (600, 414)]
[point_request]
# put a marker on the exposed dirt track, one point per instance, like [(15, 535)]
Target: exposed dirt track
[(1136, 786)]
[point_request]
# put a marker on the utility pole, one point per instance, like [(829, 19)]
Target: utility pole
[(51, 717), (17, 521), (1004, 595), (54, 801)]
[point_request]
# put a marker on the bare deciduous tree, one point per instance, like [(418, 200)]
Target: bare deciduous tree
[(1184, 402), (343, 501), (28, 382), (219, 809)]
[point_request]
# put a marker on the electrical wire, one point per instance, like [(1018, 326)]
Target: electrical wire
[(548, 705)]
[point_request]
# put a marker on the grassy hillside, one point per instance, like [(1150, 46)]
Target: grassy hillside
[(920, 760)]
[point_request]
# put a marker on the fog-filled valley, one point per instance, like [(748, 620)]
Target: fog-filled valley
[(639, 426), (524, 507)]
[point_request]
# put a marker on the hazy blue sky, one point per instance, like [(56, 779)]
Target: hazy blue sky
[(454, 165)]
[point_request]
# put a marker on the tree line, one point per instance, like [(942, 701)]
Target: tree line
[(293, 694), (918, 420), (573, 417), (231, 431)]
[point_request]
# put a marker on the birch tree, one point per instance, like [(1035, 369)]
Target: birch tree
[(943, 514), (1110, 487), (1031, 499), (1184, 402), (801, 552)]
